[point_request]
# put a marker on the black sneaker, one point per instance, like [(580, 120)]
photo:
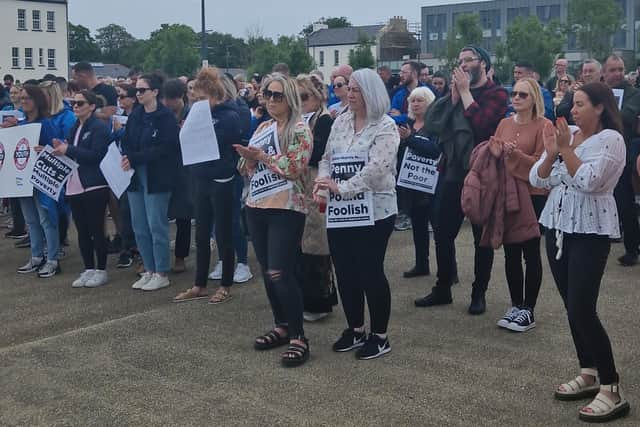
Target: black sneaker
[(628, 260), (478, 303), (374, 347), (523, 322), (349, 340), (416, 272), (23, 243), (15, 234), (125, 260), (434, 299)]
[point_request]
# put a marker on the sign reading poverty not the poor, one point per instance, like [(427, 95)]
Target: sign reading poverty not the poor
[(355, 210), (50, 172), (264, 181), (17, 159), (418, 172)]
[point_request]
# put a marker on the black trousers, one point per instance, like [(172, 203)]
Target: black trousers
[(276, 236), (16, 215), (88, 210), (420, 217), (532, 278), (213, 203), (126, 232), (627, 211), (578, 275), (358, 257), (183, 237)]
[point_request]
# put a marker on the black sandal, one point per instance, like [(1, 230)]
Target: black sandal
[(271, 339), (296, 354)]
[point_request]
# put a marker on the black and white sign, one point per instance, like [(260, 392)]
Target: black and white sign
[(50, 172), (418, 173), (264, 181), (355, 211)]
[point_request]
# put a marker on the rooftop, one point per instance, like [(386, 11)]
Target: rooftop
[(341, 36)]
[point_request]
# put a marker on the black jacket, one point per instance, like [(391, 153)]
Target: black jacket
[(92, 146), (151, 139), (228, 128)]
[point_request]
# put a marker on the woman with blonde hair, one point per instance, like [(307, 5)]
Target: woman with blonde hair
[(276, 209)]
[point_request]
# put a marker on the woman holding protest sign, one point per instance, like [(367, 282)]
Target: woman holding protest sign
[(361, 156), (277, 159), (87, 190)]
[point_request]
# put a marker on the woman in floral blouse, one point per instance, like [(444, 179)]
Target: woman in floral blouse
[(276, 211), (358, 251)]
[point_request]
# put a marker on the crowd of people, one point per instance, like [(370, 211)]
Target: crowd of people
[(519, 162)]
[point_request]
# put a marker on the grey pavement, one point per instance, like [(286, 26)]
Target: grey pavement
[(117, 357)]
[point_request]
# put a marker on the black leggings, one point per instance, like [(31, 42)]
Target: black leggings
[(358, 257), (276, 236), (627, 211), (578, 275), (183, 237), (88, 211), (16, 215), (420, 218)]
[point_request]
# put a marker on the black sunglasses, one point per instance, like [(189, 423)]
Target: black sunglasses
[(339, 85), (78, 104), (565, 81), (521, 95), (142, 90), (276, 96)]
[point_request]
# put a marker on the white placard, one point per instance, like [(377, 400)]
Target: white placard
[(11, 113), (264, 181), (50, 172), (418, 172), (111, 167), (618, 94), (307, 117), (17, 159), (356, 211), (121, 120), (198, 141)]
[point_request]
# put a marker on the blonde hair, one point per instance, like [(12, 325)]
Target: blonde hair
[(292, 97), (314, 87), (536, 96), (420, 92), (208, 81), (55, 96)]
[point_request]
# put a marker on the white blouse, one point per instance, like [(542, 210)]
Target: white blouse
[(380, 140), (584, 203)]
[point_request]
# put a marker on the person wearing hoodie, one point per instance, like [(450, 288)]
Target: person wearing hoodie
[(214, 190), (150, 147)]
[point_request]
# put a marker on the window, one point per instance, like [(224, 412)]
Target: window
[(41, 57), (514, 12), (22, 19), (36, 20), (51, 59), (28, 57), (547, 14), (322, 58), (15, 57), (51, 21), (336, 57)]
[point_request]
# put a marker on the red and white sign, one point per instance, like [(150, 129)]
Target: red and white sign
[(17, 144)]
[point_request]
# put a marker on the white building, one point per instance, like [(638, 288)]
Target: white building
[(34, 38)]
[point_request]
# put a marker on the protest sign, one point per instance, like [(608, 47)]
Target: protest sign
[(111, 167), (17, 159), (50, 172), (264, 181), (418, 172), (355, 211), (121, 120), (198, 141), (19, 115), (618, 94)]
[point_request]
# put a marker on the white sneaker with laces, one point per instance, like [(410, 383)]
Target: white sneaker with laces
[(143, 280), (83, 279), (216, 274), (99, 278), (242, 273), (157, 282)]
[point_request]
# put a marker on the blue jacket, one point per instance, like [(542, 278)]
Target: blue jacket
[(91, 149), (64, 121), (400, 98), (151, 140)]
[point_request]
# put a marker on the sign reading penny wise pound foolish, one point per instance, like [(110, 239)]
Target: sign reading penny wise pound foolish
[(17, 159), (264, 181), (51, 172), (354, 210)]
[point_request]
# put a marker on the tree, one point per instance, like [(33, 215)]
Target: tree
[(467, 31), (263, 54), (226, 51), (113, 41), (341, 22), (361, 56), (82, 47), (173, 49), (294, 52), (594, 23)]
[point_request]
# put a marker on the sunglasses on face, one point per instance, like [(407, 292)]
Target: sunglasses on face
[(78, 104), (564, 81), (275, 96), (521, 95), (339, 85), (142, 90)]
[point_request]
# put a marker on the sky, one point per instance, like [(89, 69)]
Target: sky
[(269, 18)]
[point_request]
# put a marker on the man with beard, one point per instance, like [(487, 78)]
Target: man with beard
[(613, 74), (463, 119), (591, 72)]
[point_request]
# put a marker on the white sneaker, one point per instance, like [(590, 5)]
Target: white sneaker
[(242, 273), (83, 279), (99, 278), (143, 280), (157, 282), (216, 274), (314, 317)]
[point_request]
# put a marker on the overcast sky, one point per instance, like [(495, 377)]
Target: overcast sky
[(273, 18)]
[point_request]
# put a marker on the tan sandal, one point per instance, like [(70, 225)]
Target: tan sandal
[(190, 295), (577, 388), (602, 408), (222, 295)]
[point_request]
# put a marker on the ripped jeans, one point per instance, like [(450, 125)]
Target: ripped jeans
[(276, 236)]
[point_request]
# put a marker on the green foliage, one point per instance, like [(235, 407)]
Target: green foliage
[(82, 47), (334, 22), (594, 23), (173, 49), (114, 41), (226, 51), (466, 31), (361, 56), (292, 50), (295, 54)]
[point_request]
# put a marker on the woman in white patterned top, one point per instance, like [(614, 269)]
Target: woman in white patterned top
[(358, 250), (581, 167)]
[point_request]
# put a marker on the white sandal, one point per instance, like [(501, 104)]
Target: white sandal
[(577, 388), (602, 408)]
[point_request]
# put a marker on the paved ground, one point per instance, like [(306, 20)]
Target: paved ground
[(116, 357)]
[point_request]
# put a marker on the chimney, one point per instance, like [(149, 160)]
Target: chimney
[(319, 26)]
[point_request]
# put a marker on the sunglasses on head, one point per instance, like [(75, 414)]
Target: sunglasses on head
[(78, 104), (270, 94), (521, 95), (142, 90)]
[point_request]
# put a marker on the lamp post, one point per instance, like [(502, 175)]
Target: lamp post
[(203, 39)]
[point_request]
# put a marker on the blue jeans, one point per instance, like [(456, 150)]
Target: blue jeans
[(150, 224), (41, 228)]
